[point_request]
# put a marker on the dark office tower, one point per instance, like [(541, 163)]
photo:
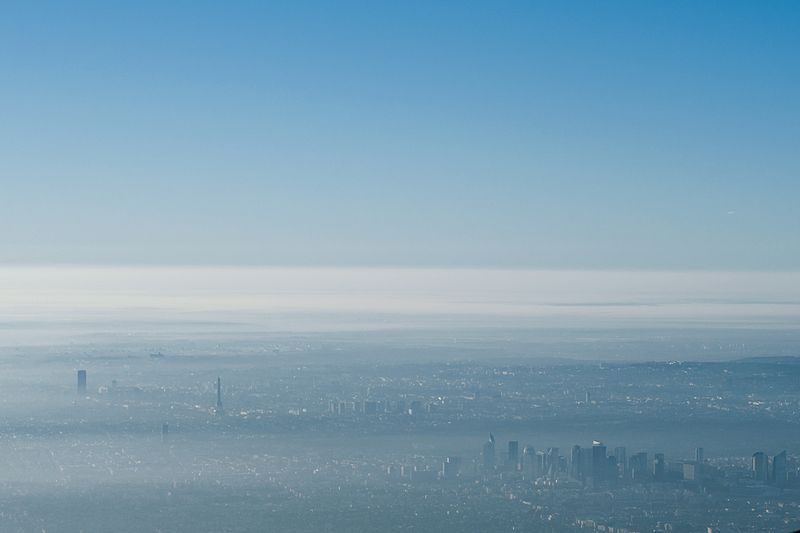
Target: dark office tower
[(698, 456), (513, 454), (659, 467), (760, 466), (598, 461), (779, 471), (541, 462), (575, 469), (638, 466), (529, 464), (622, 460), (488, 454), (586, 464), (81, 381), (219, 395), (612, 469), (164, 432), (552, 462), (588, 397)]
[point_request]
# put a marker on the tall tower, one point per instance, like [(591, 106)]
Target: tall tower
[(219, 395), (638, 466), (760, 466), (659, 467), (599, 462), (553, 460), (779, 469), (530, 467), (81, 381), (488, 454), (622, 460), (513, 454), (575, 469)]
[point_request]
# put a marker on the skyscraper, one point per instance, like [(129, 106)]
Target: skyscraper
[(529, 463), (659, 467), (219, 396), (598, 462), (612, 469), (164, 432), (552, 463), (760, 466), (575, 468), (638, 466), (622, 460), (488, 454), (81, 381), (690, 471), (779, 471), (698, 455), (513, 454)]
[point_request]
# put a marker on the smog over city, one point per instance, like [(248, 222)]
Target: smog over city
[(368, 267)]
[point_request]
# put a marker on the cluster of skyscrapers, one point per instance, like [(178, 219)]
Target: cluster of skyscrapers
[(594, 466), (768, 469)]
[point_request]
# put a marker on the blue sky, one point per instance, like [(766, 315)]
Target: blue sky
[(655, 135)]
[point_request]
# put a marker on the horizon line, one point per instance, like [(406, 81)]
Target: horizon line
[(424, 267)]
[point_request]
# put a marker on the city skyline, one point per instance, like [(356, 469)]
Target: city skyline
[(362, 266)]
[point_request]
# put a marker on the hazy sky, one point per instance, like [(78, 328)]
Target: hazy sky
[(39, 304), (548, 135)]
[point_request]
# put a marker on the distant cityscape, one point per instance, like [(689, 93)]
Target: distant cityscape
[(415, 434)]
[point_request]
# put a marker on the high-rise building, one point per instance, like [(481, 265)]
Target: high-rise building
[(513, 454), (164, 432), (760, 466), (219, 395), (488, 454), (552, 467), (599, 461), (638, 466), (622, 460), (575, 467), (690, 471), (541, 462), (530, 468), (81, 381), (779, 470), (659, 467), (699, 455), (586, 463), (612, 469)]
